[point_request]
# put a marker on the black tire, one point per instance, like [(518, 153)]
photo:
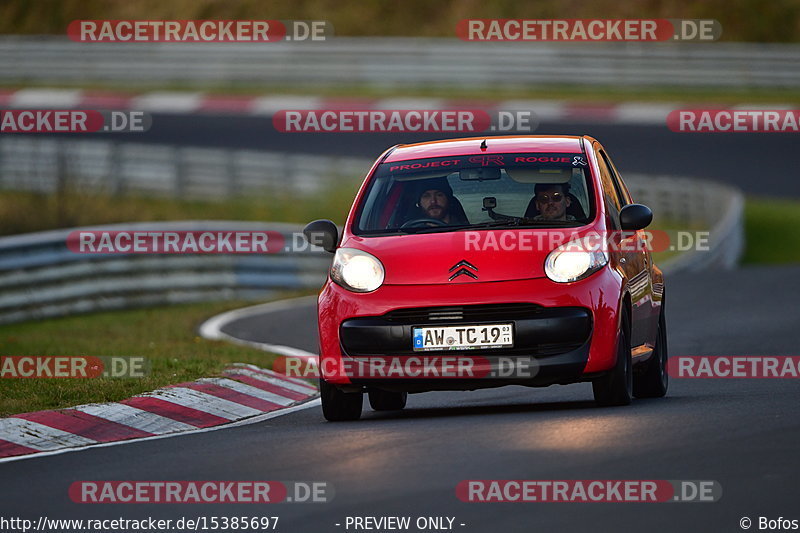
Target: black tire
[(653, 380), (381, 400), (616, 387), (337, 405)]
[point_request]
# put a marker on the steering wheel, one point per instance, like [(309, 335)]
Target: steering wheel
[(417, 222)]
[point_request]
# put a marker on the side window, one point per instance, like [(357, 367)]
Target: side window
[(622, 192), (610, 195)]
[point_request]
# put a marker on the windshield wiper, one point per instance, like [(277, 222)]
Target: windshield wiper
[(431, 229)]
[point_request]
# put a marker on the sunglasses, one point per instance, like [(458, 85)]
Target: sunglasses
[(546, 198)]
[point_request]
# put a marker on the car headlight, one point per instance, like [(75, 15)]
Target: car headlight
[(575, 260), (356, 270)]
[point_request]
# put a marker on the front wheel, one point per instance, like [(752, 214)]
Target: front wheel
[(616, 387), (337, 405), (654, 378)]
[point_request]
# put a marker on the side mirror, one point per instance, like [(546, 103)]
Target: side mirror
[(322, 233), (635, 217)]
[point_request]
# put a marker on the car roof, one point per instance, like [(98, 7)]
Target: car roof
[(494, 145)]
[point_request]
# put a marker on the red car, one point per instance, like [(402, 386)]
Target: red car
[(482, 262)]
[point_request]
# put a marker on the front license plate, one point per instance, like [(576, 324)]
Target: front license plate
[(463, 337)]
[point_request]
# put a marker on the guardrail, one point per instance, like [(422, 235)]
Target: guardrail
[(403, 62), (41, 278), (46, 164), (716, 207)]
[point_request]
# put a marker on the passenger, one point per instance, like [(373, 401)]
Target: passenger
[(552, 201)]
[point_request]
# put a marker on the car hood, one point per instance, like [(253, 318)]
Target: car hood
[(475, 256)]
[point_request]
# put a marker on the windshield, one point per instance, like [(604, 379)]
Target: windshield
[(465, 192)]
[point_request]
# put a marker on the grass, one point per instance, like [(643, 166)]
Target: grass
[(166, 336), (772, 231)]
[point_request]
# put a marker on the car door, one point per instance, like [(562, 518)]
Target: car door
[(632, 254), (650, 304)]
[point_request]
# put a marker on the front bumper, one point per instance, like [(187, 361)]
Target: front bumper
[(551, 345), (568, 330), (538, 331)]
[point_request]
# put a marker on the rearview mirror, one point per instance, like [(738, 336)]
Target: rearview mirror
[(322, 233), (479, 174), (635, 217)]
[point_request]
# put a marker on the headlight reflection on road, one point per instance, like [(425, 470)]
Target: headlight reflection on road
[(588, 432)]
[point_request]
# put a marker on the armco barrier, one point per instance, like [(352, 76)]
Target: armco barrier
[(402, 62), (717, 208), (41, 278), (46, 164)]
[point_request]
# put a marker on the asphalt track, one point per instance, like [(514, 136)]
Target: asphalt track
[(758, 163), (741, 433)]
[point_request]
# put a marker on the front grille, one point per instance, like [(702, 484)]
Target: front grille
[(465, 312), (538, 331)]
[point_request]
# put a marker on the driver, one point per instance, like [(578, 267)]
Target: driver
[(436, 201)]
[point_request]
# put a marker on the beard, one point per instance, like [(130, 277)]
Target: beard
[(435, 212), (553, 211)]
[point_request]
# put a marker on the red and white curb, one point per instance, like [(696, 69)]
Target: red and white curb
[(645, 113), (246, 394)]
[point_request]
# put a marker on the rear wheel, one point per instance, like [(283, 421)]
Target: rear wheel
[(653, 381), (381, 400), (615, 388), (338, 405)]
